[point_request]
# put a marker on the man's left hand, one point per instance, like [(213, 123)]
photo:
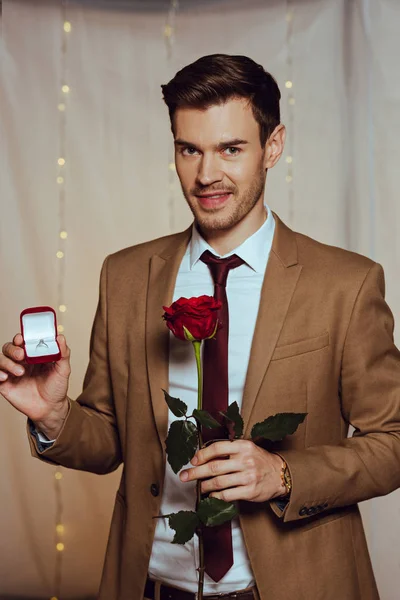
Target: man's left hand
[(250, 473)]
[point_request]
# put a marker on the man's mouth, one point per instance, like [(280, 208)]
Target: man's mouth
[(213, 199)]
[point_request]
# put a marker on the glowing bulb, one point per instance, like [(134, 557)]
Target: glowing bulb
[(60, 179), (63, 235), (172, 166), (289, 84), (62, 308), (60, 546), (58, 475), (289, 159), (168, 31), (54, 598), (292, 101), (61, 162), (289, 178), (60, 528), (61, 107), (67, 26), (60, 328), (60, 254), (65, 89)]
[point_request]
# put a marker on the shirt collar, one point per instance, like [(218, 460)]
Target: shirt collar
[(254, 251)]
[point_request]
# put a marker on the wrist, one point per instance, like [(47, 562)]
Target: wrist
[(285, 481), (53, 423)]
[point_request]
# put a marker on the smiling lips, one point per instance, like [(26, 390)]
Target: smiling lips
[(213, 199)]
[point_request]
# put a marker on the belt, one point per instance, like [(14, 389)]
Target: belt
[(168, 592)]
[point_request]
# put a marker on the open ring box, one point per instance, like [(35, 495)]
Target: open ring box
[(39, 330)]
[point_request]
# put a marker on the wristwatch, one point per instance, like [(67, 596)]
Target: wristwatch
[(286, 478)]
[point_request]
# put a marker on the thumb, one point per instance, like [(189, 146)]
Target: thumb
[(64, 362)]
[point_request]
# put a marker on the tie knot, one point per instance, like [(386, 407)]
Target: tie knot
[(220, 267)]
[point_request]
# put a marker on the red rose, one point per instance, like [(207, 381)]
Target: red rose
[(198, 315)]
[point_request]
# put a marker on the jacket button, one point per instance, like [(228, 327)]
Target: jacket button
[(320, 508), (303, 511), (312, 510), (154, 488)]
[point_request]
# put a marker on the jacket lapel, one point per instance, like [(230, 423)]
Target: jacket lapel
[(163, 272), (279, 284)]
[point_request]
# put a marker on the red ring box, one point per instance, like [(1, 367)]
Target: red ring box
[(39, 324)]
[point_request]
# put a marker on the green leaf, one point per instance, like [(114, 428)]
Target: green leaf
[(275, 428), (175, 405), (213, 511), (184, 523), (233, 416), (205, 419), (181, 444)]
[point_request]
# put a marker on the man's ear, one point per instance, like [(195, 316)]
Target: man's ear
[(274, 146)]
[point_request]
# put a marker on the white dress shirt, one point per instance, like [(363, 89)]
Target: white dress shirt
[(176, 564)]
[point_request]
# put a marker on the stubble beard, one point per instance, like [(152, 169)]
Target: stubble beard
[(240, 206)]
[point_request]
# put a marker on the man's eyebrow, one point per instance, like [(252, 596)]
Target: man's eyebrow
[(220, 146)]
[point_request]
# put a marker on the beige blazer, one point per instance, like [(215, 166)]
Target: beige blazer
[(323, 344)]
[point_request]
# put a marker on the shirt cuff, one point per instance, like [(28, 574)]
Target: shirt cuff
[(42, 440)]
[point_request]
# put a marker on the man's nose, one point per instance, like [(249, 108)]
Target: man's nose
[(209, 171)]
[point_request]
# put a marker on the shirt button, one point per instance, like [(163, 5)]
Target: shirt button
[(154, 488)]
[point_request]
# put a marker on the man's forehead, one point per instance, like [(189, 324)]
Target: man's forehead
[(217, 123)]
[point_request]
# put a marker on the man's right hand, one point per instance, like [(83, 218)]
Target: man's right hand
[(38, 391)]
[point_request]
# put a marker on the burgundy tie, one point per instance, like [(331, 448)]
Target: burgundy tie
[(218, 552)]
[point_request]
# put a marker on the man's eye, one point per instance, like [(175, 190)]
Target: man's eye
[(232, 151), (189, 151)]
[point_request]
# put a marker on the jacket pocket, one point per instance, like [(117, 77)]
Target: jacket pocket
[(301, 347)]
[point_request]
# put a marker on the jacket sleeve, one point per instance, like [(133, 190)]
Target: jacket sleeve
[(89, 438), (367, 464)]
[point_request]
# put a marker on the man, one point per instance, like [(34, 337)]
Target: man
[(309, 331)]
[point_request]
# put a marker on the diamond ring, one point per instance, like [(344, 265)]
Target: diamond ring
[(41, 343)]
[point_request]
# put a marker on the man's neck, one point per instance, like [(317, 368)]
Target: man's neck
[(225, 241)]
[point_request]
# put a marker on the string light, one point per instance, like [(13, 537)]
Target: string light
[(63, 235), (289, 85), (169, 39)]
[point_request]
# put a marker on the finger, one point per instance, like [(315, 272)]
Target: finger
[(13, 352), (8, 366), (220, 449), (64, 349), (211, 469), (242, 492), (18, 340), (223, 482), (63, 365)]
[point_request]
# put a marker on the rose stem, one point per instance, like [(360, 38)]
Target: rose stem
[(197, 349)]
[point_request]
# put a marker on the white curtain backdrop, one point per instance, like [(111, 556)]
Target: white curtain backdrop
[(119, 190)]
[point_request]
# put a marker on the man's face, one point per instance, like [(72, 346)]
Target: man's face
[(220, 162)]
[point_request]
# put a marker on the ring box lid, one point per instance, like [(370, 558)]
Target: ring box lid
[(39, 326)]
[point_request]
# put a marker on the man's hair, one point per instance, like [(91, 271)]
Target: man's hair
[(216, 78)]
